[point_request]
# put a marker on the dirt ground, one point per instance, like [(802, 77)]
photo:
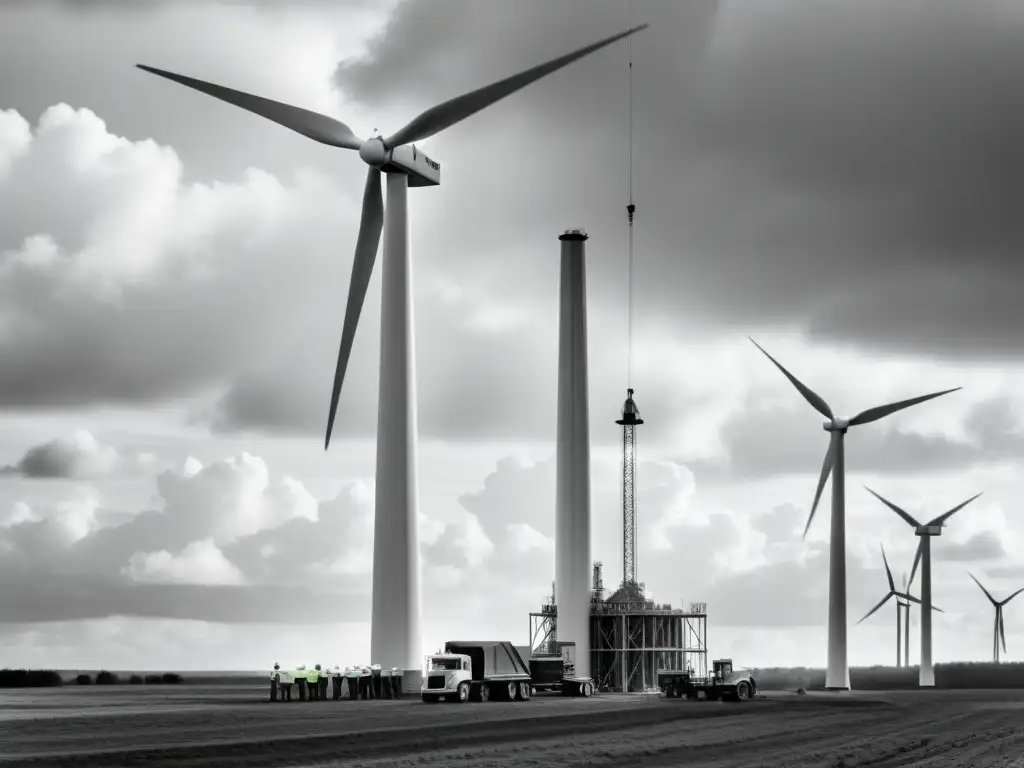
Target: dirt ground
[(230, 726)]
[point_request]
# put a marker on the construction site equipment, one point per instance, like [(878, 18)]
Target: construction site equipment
[(725, 683), (486, 670), (557, 673)]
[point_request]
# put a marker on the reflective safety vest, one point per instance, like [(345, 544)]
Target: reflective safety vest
[(286, 678), (395, 672), (313, 676), (275, 674), (300, 672)]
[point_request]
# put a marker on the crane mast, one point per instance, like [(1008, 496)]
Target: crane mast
[(630, 413)]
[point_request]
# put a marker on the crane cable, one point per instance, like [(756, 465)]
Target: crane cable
[(630, 210)]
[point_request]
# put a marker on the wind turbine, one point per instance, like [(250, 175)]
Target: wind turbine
[(395, 622), (999, 632), (926, 674), (903, 598), (837, 677)]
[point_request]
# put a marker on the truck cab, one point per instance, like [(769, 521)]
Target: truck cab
[(447, 674)]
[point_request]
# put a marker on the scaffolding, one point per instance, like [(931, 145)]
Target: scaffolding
[(631, 638)]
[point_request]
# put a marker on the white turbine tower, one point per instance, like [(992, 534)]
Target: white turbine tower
[(999, 630), (395, 623), (926, 674), (837, 677), (902, 598)]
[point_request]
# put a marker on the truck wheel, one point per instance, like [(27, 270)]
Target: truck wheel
[(742, 691), (586, 689), (524, 691), (463, 693), (670, 692), (511, 690), (485, 692)]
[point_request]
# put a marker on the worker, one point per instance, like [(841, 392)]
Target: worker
[(365, 690), (275, 679), (396, 683), (300, 681), (375, 676), (352, 676), (286, 685), (336, 682), (325, 677), (313, 682)]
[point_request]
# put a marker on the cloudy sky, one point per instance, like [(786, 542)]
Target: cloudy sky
[(836, 179)]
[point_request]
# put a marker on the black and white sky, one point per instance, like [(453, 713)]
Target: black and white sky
[(836, 179)]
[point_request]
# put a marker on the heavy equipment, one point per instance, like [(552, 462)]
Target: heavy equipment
[(485, 670), (725, 683)]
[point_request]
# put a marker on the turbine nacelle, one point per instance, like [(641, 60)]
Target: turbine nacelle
[(836, 425), (929, 530)]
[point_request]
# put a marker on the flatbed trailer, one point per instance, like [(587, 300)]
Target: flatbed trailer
[(725, 683), (556, 673), (493, 670)]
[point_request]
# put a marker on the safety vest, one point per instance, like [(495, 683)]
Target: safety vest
[(375, 667), (300, 672), (313, 676), (395, 672), (275, 674), (364, 672), (286, 678)]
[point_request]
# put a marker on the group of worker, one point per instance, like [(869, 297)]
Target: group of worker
[(363, 683)]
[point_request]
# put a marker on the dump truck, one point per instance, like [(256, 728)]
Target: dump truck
[(725, 683), (486, 670)]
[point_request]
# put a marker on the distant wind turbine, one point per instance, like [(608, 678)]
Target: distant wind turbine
[(838, 675), (926, 674), (902, 598), (998, 632)]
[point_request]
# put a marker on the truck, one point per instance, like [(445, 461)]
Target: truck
[(725, 683), (557, 673), (486, 670)]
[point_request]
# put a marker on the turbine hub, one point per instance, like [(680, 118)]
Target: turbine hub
[(836, 425), (373, 152)]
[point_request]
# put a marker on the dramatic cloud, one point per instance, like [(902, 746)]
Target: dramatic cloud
[(80, 457), (754, 448), (984, 546)]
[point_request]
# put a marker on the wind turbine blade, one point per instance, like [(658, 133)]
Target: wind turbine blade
[(816, 401), (910, 520), (908, 596), (941, 519), (987, 593), (888, 573), (880, 604), (455, 110), (1012, 596), (917, 559), (874, 414), (367, 243), (315, 126), (1002, 631), (826, 468)]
